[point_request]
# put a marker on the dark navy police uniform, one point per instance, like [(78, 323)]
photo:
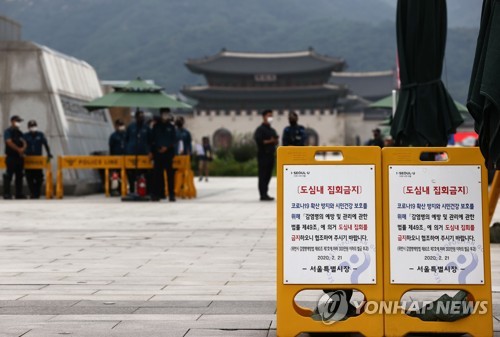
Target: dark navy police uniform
[(294, 135), (35, 141), (117, 143), (14, 162), (265, 156), (137, 142), (184, 136), (163, 135)]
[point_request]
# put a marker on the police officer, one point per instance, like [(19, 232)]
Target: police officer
[(35, 140), (267, 139), (117, 139), (137, 140), (15, 146), (294, 134), (163, 143), (183, 137), (117, 148), (377, 139)]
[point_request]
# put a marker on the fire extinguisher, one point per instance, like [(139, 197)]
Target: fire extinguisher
[(115, 181), (141, 186)]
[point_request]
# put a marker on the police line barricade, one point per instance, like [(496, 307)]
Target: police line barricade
[(37, 163), (134, 163), (329, 237), (105, 163), (184, 177), (436, 237)]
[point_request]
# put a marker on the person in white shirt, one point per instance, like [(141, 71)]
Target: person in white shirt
[(205, 155)]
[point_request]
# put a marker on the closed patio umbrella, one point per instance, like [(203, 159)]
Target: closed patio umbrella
[(484, 91), (425, 114), (386, 103)]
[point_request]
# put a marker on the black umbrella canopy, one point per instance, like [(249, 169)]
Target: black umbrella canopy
[(484, 91), (425, 114)]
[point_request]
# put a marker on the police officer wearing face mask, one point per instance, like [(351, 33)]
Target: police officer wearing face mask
[(117, 139), (138, 141), (35, 140), (267, 139), (163, 147), (15, 146), (183, 137), (294, 134)]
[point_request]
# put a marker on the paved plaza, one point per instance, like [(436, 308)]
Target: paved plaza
[(95, 266)]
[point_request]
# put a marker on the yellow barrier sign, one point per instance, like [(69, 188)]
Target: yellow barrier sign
[(37, 163), (329, 237), (137, 162), (184, 177), (436, 236), (105, 163), (31, 163), (91, 162), (144, 162)]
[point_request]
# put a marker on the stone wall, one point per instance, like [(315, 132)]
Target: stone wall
[(42, 84)]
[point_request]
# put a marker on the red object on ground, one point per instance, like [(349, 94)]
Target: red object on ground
[(141, 186), (115, 181), (460, 136)]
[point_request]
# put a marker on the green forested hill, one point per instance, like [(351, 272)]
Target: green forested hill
[(152, 38)]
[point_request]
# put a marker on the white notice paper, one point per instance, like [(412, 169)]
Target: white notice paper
[(436, 233), (329, 224)]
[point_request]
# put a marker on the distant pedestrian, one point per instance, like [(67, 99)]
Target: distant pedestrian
[(15, 146), (163, 142), (35, 141), (204, 155), (137, 139), (183, 137), (117, 140), (267, 139), (377, 139), (294, 134)]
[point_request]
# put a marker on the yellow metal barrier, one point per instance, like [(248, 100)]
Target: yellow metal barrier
[(184, 176), (494, 194), (329, 236), (436, 235), (105, 163), (37, 163)]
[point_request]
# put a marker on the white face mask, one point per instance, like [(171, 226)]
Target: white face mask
[(33, 129), (121, 128), (269, 120), (17, 124)]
